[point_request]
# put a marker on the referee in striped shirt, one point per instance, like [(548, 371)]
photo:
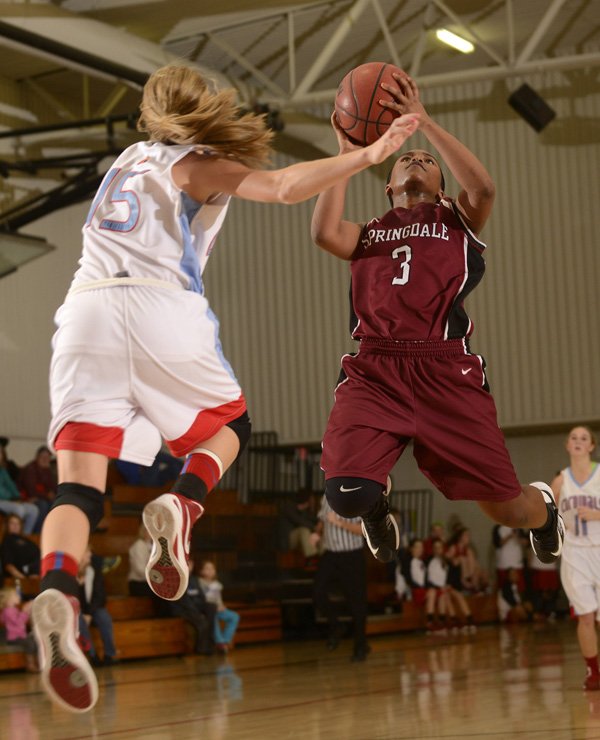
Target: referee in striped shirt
[(342, 562)]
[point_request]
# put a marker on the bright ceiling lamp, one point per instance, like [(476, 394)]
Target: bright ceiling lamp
[(456, 42)]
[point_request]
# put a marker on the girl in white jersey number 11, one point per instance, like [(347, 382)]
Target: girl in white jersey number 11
[(136, 355), (577, 491)]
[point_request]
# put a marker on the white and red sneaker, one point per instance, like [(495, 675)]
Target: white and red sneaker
[(66, 673), (592, 681), (169, 520)]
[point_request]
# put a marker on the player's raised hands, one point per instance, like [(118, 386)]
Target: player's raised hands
[(406, 97), (395, 136), (345, 144)]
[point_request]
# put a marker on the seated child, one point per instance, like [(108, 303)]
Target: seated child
[(437, 595), (512, 607), (15, 618), (226, 620), (437, 575)]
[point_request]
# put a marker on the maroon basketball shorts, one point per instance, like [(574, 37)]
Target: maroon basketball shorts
[(433, 393)]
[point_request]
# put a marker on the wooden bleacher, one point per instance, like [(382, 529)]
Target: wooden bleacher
[(227, 531)]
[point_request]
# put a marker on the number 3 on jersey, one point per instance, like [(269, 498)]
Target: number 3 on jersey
[(402, 253), (115, 182)]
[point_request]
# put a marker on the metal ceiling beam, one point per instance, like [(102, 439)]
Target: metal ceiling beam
[(428, 17), (205, 24), (481, 74), (340, 33), (67, 56), (111, 101), (291, 50), (539, 32), (61, 109), (386, 33), (510, 31), (243, 62)]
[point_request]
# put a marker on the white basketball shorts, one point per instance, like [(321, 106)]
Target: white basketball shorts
[(136, 362), (580, 576)]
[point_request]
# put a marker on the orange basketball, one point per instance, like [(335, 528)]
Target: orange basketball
[(357, 107)]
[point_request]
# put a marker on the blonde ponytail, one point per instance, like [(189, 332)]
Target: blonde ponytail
[(180, 106)]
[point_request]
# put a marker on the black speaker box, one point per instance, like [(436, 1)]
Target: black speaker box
[(532, 107)]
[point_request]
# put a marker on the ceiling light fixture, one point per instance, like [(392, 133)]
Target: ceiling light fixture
[(456, 42)]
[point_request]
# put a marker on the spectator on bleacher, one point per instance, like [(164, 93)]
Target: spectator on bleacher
[(512, 604), (401, 586), (403, 520), (437, 589), (38, 483), (509, 553), (453, 524), (544, 586), (436, 532), (15, 616), (342, 562), (296, 522), (194, 607), (92, 597), (191, 606), (414, 569), (226, 620), (448, 597), (465, 572), (139, 554), (163, 470), (11, 466), (456, 600), (10, 499), (20, 556)]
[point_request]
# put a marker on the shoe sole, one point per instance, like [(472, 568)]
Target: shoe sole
[(167, 573), (548, 495), (66, 675), (388, 554)]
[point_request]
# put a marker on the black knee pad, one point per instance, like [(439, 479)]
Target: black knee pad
[(242, 426), (350, 497), (89, 500)]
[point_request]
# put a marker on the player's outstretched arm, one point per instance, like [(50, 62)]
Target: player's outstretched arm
[(203, 177), (328, 229), (478, 190)]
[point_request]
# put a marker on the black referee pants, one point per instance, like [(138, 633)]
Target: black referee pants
[(349, 571)]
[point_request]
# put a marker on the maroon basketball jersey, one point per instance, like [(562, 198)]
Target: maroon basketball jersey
[(411, 271)]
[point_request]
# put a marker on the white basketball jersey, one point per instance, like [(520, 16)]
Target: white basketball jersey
[(572, 495), (141, 225)]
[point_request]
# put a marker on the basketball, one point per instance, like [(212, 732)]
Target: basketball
[(357, 107)]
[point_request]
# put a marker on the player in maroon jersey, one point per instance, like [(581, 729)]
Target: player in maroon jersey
[(414, 377)]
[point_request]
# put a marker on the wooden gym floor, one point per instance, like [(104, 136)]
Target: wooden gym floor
[(521, 683)]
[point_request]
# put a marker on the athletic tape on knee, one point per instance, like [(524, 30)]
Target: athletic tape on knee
[(89, 500), (351, 497)]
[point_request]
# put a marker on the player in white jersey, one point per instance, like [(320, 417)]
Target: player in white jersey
[(577, 491), (136, 355)]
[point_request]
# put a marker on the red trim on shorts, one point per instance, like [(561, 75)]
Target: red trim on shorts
[(81, 436), (206, 425)]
